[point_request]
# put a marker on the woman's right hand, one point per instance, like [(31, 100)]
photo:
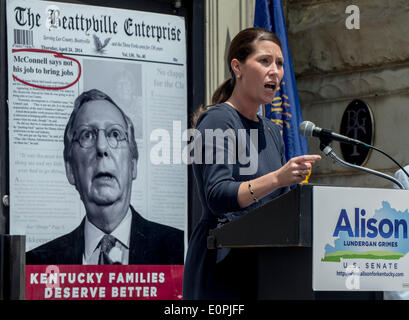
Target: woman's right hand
[(295, 170)]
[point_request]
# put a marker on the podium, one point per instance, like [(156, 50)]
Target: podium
[(280, 233)]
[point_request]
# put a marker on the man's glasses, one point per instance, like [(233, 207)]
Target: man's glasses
[(87, 136)]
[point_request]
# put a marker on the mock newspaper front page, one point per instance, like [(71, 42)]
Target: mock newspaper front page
[(56, 52)]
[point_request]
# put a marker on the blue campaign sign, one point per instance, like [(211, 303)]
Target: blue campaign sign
[(363, 228)]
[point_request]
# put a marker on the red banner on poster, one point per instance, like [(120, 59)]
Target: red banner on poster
[(104, 282)]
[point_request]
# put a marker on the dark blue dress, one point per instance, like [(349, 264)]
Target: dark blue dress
[(221, 273)]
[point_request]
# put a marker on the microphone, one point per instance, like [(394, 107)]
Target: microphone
[(329, 152), (309, 129)]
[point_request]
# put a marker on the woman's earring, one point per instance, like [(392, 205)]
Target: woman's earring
[(238, 76)]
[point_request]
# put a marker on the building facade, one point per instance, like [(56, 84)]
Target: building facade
[(340, 53)]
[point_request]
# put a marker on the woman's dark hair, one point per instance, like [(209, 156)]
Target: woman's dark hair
[(240, 48)]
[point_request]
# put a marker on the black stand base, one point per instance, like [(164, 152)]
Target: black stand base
[(286, 274)]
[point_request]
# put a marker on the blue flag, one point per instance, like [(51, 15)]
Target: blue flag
[(285, 109)]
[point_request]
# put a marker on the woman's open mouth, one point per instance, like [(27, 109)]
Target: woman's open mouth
[(270, 85)]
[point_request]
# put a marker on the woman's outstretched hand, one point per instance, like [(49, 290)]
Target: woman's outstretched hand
[(296, 169)]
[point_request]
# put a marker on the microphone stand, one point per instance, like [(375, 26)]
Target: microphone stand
[(324, 146)]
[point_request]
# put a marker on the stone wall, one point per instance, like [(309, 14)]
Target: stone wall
[(335, 65)]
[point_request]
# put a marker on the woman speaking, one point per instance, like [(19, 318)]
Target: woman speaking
[(226, 189)]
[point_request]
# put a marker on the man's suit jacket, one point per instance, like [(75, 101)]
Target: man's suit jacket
[(150, 243)]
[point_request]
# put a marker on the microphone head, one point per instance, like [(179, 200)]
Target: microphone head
[(306, 128)]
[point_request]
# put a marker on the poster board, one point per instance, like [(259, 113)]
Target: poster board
[(56, 51), (360, 239)]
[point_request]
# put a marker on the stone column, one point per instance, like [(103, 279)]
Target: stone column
[(224, 19)]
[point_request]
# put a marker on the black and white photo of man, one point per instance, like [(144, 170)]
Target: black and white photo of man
[(100, 156)]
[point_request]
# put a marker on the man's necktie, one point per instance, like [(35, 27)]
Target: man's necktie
[(106, 244)]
